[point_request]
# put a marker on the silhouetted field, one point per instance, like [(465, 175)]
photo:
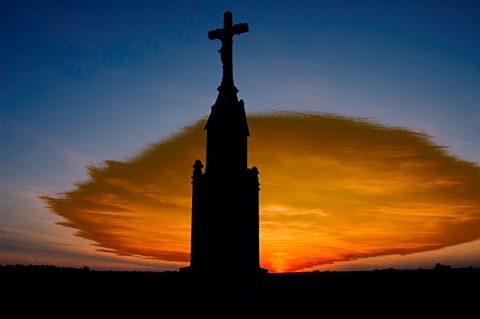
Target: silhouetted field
[(65, 292)]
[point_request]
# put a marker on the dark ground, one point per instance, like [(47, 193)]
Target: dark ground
[(69, 292)]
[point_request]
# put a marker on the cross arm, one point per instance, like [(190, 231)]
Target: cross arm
[(239, 28), (234, 30), (215, 34)]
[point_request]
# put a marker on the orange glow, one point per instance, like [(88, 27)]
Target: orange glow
[(332, 189)]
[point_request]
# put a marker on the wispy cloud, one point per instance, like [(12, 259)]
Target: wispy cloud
[(333, 189)]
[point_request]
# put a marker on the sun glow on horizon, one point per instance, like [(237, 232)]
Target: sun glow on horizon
[(333, 189)]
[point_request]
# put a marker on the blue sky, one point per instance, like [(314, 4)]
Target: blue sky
[(83, 82)]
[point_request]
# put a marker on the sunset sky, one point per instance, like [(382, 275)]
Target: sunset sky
[(364, 122)]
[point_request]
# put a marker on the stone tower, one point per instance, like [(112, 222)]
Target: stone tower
[(224, 277), (225, 198)]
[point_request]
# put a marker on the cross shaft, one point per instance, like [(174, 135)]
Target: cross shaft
[(226, 36)]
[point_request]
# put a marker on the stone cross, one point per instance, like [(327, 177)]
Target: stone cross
[(226, 36)]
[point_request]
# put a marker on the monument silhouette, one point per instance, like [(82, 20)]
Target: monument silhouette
[(224, 259)]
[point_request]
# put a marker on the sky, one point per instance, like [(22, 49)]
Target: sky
[(364, 121)]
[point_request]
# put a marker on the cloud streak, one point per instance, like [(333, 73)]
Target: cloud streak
[(333, 188)]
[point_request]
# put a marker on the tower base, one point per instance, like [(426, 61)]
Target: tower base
[(225, 293)]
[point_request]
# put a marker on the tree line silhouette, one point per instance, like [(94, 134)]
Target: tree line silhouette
[(85, 291)]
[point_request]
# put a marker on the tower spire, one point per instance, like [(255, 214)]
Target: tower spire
[(227, 127)]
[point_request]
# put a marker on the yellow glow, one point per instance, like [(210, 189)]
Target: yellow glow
[(332, 189)]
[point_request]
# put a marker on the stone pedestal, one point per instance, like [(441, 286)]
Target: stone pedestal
[(222, 293)]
